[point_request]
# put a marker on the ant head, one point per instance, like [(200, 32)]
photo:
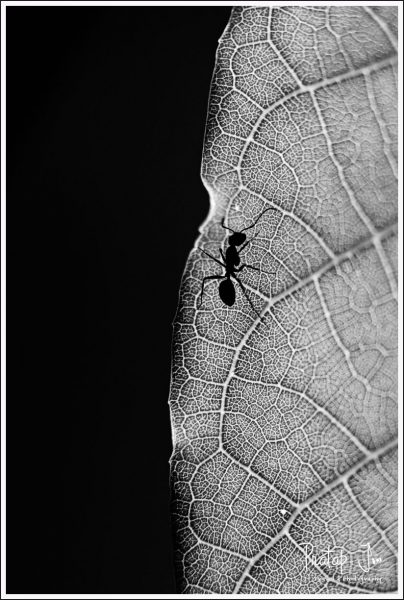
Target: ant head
[(237, 238)]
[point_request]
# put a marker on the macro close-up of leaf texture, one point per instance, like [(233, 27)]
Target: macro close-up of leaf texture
[(284, 406)]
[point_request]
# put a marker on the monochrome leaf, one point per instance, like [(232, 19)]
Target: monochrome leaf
[(285, 424)]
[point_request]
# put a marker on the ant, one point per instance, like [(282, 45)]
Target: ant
[(231, 262)]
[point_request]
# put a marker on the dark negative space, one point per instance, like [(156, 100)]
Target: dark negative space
[(106, 111)]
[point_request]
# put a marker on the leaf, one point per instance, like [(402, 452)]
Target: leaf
[(284, 428)]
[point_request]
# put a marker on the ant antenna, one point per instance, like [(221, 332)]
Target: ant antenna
[(229, 228), (250, 226)]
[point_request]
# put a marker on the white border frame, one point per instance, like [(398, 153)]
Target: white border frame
[(4, 4)]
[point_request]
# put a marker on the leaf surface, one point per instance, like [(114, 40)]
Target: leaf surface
[(284, 426)]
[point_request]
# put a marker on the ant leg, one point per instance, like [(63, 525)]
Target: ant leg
[(244, 266), (203, 284), (222, 255), (248, 298), (247, 242), (244, 245), (215, 259)]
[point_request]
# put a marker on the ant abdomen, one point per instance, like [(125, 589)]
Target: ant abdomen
[(227, 292)]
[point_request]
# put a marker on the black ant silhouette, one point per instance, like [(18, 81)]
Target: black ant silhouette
[(231, 262)]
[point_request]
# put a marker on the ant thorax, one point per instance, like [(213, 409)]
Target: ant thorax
[(232, 256)]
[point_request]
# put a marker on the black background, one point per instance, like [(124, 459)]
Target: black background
[(106, 111)]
